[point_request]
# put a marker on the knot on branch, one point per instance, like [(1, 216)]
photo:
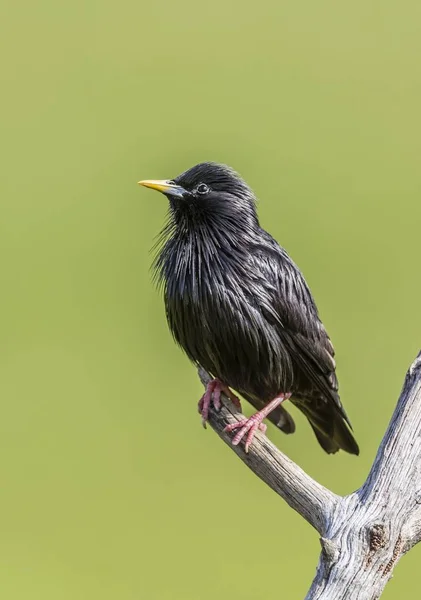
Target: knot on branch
[(377, 540), (330, 550), (377, 537)]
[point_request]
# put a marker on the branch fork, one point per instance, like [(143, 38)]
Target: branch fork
[(362, 535)]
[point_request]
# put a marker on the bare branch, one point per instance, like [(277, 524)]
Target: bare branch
[(310, 499), (363, 535)]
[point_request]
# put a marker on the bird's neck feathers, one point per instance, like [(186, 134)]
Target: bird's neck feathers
[(192, 246)]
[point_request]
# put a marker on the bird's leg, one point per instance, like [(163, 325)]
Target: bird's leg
[(212, 395), (255, 422)]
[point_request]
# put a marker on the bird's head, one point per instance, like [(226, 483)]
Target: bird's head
[(208, 193)]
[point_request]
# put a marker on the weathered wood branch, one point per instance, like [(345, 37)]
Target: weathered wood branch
[(363, 535), (313, 501)]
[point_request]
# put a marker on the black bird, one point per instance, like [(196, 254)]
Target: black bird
[(239, 307)]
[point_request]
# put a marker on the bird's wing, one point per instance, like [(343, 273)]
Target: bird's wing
[(288, 303)]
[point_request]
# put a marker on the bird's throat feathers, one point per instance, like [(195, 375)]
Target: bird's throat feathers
[(192, 247)]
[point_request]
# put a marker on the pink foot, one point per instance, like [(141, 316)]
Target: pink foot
[(212, 395), (251, 425)]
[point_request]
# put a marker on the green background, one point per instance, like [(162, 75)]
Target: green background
[(110, 488)]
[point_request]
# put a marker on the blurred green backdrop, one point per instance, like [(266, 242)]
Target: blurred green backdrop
[(110, 487)]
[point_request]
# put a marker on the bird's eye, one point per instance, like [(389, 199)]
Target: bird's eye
[(202, 188)]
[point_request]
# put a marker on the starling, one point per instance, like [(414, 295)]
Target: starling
[(239, 307)]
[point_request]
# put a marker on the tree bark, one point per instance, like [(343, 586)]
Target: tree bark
[(362, 535)]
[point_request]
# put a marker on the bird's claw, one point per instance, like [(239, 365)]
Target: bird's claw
[(246, 426), (212, 396), (255, 422)]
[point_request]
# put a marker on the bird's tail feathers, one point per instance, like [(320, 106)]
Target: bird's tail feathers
[(282, 419), (331, 430)]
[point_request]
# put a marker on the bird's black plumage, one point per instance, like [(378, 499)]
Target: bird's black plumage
[(239, 306)]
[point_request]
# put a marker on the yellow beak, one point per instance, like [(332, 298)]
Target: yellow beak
[(164, 186)]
